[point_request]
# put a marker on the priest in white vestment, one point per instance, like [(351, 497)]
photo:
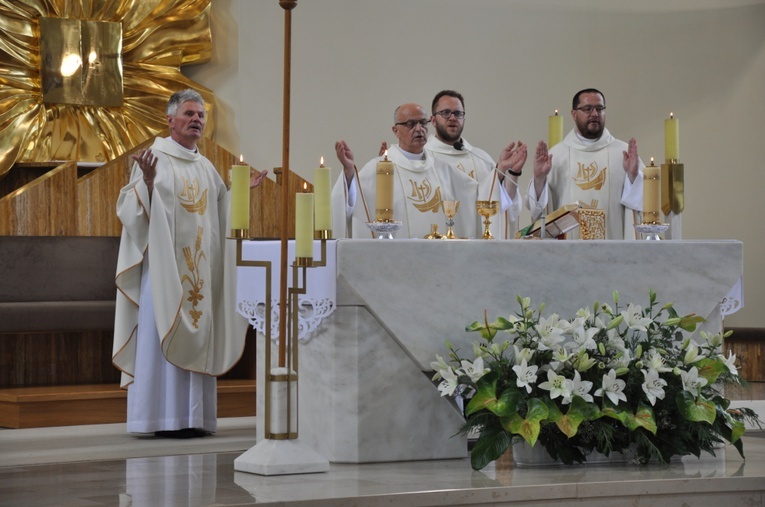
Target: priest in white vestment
[(479, 169), (421, 182), (592, 167), (176, 326)]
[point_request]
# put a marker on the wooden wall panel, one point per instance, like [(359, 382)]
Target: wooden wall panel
[(45, 207), (97, 195)]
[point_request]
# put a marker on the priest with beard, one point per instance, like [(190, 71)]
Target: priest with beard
[(420, 183), (592, 167), (478, 171)]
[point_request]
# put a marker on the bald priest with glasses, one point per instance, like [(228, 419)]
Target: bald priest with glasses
[(420, 182), (592, 167)]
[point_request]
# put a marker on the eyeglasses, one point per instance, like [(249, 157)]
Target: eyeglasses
[(411, 124), (590, 109), (446, 113)]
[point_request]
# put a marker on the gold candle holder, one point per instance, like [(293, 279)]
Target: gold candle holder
[(672, 187)]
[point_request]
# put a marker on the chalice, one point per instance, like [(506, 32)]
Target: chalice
[(487, 209), (450, 209)]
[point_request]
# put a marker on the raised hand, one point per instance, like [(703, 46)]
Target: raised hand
[(257, 178), (631, 160), (383, 149), (345, 156), (147, 162), (513, 157)]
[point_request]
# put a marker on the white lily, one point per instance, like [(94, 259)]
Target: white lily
[(612, 387), (449, 382), (633, 317), (551, 331), (439, 364), (654, 361), (474, 370), (524, 354), (653, 387), (692, 355), (559, 357), (730, 362), (556, 384), (578, 387), (527, 375), (584, 337), (692, 382)]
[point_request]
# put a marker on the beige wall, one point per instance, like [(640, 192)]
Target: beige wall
[(515, 61)]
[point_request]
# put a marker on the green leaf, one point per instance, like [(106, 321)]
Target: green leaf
[(486, 398), (489, 330), (643, 418), (695, 410), (578, 411), (688, 322), (711, 369), (489, 446), (529, 427)]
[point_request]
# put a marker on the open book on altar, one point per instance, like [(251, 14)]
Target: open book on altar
[(557, 223)]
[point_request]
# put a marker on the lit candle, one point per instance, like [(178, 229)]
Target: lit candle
[(672, 138), (240, 195), (384, 190), (321, 181), (651, 194), (304, 223), (555, 130)]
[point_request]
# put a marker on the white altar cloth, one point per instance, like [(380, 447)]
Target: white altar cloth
[(321, 287)]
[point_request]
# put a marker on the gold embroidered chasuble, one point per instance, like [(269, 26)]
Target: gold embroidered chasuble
[(193, 273), (418, 189), (594, 175), (478, 171)]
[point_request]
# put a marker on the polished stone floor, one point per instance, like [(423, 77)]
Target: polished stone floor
[(209, 479)]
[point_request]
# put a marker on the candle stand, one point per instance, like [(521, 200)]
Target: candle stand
[(673, 195), (384, 229), (280, 451)]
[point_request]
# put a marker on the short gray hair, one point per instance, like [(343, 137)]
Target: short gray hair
[(180, 97)]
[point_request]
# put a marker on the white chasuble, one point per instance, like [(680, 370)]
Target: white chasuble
[(478, 175), (182, 230), (594, 175), (419, 186)]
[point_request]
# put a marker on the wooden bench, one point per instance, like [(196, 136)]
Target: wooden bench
[(57, 300)]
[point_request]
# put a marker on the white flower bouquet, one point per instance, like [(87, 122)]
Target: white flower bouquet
[(607, 380)]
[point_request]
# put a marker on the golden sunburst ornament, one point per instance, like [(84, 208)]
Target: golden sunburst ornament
[(87, 80)]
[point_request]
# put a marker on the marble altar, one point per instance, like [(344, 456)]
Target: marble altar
[(365, 393)]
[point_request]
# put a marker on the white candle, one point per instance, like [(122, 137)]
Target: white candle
[(554, 130), (321, 187), (304, 224)]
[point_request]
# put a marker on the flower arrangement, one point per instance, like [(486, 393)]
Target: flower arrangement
[(607, 380)]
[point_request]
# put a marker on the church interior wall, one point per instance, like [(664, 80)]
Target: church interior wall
[(515, 61)]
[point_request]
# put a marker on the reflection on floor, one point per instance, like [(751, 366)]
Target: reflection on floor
[(209, 479)]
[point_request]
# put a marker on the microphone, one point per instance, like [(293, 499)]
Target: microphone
[(458, 145)]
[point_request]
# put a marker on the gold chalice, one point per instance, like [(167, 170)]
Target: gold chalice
[(487, 209), (450, 209)]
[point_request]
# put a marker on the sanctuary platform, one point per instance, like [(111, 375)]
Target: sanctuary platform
[(100, 466)]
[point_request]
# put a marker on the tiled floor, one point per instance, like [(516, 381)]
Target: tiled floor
[(210, 480)]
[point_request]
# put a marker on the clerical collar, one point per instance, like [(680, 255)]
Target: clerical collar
[(195, 150), (585, 140), (413, 156)]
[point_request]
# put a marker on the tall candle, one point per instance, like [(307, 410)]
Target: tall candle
[(672, 138), (555, 130), (321, 181), (304, 224), (240, 195), (384, 190), (651, 194)]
